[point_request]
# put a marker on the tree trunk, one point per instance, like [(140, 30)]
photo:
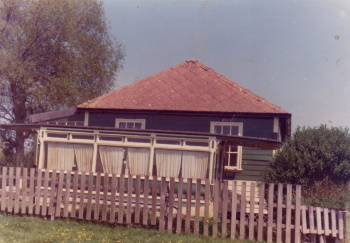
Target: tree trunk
[(19, 149), (20, 115)]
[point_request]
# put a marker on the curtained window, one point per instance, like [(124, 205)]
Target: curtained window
[(138, 161), (83, 156), (191, 164), (111, 159), (168, 162), (60, 156), (195, 164)]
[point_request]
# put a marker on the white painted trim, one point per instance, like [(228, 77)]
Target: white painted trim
[(41, 135), (94, 155), (142, 121), (239, 124), (239, 150), (86, 119), (277, 128), (276, 124), (151, 157)]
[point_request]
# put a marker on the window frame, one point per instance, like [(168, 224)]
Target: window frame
[(142, 121), (229, 167)]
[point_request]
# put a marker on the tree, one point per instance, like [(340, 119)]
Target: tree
[(54, 54), (310, 156)]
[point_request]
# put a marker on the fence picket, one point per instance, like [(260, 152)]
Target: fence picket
[(234, 204), (179, 207), (128, 206), (97, 197), (113, 198), (261, 212), (17, 190), (105, 197), (297, 214), (31, 191), (10, 190), (288, 214), (45, 193), (224, 210), (137, 199), (326, 221), (279, 213), (206, 207), (341, 225), (197, 207), (59, 193), (252, 209), (162, 204), (304, 220), (38, 191), (145, 201), (154, 201), (3, 188), (270, 215), (24, 190), (188, 206), (52, 192), (89, 203), (82, 196), (171, 205), (216, 201), (121, 200), (74, 194), (318, 221), (66, 195), (311, 220), (242, 211)]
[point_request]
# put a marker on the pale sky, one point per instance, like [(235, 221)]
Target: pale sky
[(294, 53)]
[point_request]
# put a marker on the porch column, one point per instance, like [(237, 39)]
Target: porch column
[(40, 142), (94, 155), (86, 119)]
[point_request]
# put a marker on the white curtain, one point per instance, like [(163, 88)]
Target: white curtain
[(111, 159), (195, 164), (168, 162), (83, 155), (138, 161), (60, 156)]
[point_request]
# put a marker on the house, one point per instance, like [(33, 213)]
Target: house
[(202, 123)]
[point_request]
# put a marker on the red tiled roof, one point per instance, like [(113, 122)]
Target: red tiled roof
[(189, 86)]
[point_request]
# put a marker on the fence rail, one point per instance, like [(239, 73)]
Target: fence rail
[(228, 209)]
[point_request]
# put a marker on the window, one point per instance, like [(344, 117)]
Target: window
[(191, 164), (234, 153), (130, 123)]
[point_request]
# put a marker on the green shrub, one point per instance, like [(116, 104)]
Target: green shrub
[(318, 159), (326, 194)]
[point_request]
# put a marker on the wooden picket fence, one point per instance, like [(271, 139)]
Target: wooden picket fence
[(228, 209)]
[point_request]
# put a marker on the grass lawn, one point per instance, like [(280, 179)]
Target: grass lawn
[(34, 229)]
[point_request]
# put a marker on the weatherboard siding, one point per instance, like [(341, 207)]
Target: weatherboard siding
[(254, 161), (252, 127)]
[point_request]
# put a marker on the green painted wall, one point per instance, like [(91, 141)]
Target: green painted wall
[(254, 161), (253, 127)]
